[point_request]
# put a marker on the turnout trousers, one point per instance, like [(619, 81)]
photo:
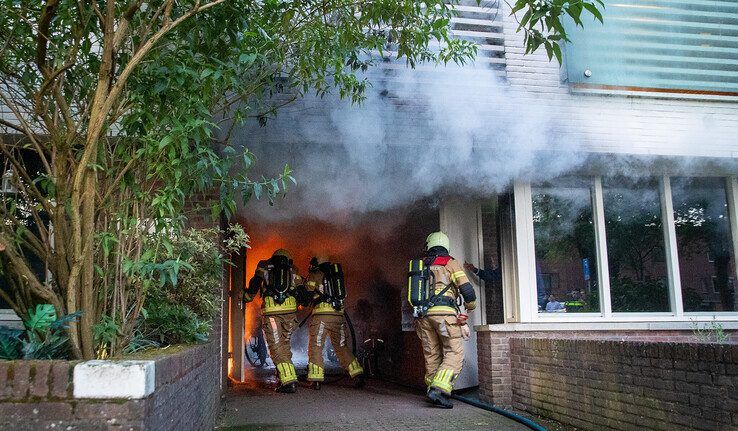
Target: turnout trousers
[(443, 351), (335, 327), (278, 329)]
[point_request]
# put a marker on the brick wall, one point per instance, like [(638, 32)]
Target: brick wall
[(613, 381), (493, 354), (37, 395), (198, 210)]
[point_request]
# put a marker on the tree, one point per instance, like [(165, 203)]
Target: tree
[(112, 112)]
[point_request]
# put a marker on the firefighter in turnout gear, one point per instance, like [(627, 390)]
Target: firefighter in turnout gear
[(276, 280), (436, 286), (324, 290)]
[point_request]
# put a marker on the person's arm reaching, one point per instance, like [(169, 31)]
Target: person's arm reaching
[(255, 283), (466, 290)]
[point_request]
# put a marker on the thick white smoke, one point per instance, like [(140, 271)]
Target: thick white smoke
[(416, 134)]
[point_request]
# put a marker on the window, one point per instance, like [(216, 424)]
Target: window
[(716, 286), (704, 243), (492, 253), (658, 47), (635, 240), (566, 264)]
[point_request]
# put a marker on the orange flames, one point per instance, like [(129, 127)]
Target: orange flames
[(303, 242), (362, 246)]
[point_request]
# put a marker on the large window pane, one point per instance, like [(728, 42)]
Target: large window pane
[(706, 256), (656, 44), (635, 245), (566, 264)]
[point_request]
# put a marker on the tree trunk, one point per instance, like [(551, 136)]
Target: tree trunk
[(87, 285)]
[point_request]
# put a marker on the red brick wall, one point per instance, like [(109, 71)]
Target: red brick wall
[(37, 395), (198, 210), (613, 381)]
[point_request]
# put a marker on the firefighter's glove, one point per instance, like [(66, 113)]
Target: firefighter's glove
[(470, 305), (465, 331)]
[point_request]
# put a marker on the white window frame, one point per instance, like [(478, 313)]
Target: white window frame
[(525, 290)]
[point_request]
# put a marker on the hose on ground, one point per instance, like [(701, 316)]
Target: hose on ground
[(507, 413), (478, 404)]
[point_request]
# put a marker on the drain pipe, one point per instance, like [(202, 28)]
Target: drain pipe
[(507, 413)]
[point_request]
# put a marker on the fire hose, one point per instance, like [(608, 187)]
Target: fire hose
[(506, 413), (484, 406)]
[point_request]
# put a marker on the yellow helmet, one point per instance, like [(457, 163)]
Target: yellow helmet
[(282, 252), (437, 239)]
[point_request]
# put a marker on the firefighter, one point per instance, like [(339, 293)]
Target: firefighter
[(441, 327), (276, 280), (324, 291)]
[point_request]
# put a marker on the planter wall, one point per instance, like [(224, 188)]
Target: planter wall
[(177, 391)]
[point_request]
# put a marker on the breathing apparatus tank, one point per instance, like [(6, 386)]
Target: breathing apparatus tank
[(278, 277), (419, 283), (334, 287)]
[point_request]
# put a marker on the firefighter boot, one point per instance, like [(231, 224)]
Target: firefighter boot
[(439, 398), (360, 381), (315, 385), (289, 388)]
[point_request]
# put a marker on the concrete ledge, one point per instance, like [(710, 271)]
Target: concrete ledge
[(114, 379)]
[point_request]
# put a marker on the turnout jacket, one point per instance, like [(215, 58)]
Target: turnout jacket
[(258, 285), (315, 288), (447, 271)]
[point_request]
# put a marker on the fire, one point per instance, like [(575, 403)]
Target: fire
[(302, 246)]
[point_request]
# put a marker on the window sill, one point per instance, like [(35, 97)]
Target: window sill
[(8, 315), (727, 322)]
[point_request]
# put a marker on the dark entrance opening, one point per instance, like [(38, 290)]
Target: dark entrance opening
[(374, 250)]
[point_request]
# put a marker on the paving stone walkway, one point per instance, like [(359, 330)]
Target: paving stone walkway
[(339, 406)]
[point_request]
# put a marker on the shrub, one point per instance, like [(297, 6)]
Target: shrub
[(44, 337), (181, 309)]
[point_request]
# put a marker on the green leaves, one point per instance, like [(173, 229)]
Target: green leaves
[(10, 343), (594, 11), (44, 336), (41, 318), (541, 22)]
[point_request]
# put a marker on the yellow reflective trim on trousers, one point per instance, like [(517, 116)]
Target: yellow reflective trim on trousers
[(443, 381), (287, 373), (355, 368), (315, 373), (455, 275)]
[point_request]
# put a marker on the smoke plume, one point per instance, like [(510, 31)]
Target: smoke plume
[(419, 133)]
